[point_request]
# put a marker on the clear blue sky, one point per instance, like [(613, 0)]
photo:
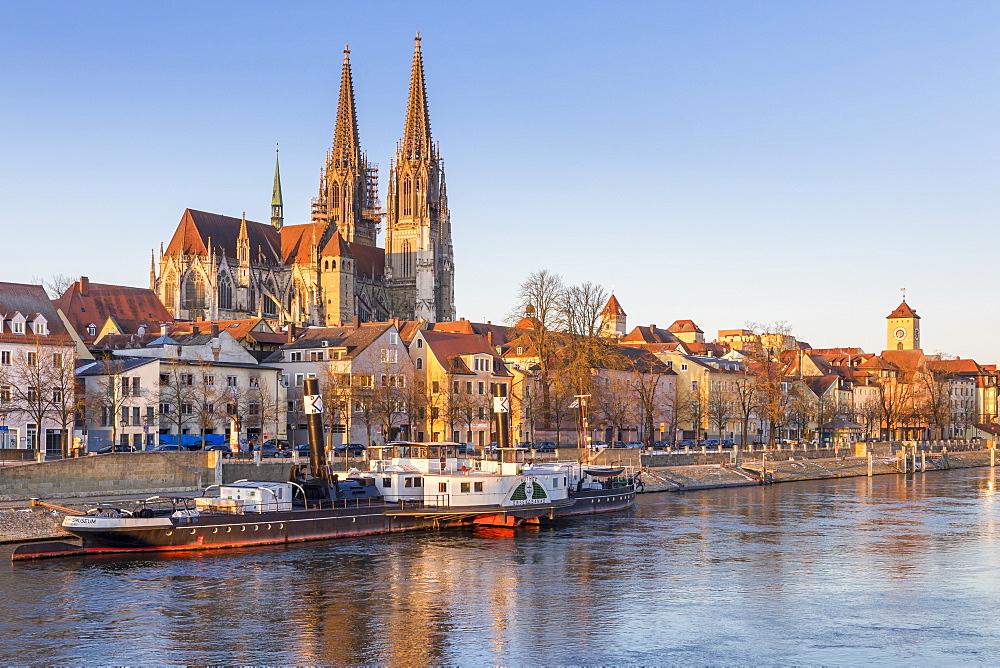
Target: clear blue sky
[(721, 161)]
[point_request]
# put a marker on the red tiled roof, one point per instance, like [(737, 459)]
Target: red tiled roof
[(613, 307), (86, 303), (903, 311), (684, 326)]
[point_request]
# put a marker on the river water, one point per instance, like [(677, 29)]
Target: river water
[(893, 569)]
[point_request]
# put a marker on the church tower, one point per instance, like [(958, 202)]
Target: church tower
[(613, 319), (277, 208), (418, 230), (903, 328), (348, 190)]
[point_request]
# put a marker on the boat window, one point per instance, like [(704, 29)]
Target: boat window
[(478, 486), (466, 487), (418, 482), (442, 487), (432, 451), (387, 482), (407, 482), (422, 453)]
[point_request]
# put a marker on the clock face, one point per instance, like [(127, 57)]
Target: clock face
[(900, 333)]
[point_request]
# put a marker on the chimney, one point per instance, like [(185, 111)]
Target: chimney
[(357, 321), (489, 337), (84, 286), (291, 333), (195, 329), (215, 330), (652, 329), (163, 329)]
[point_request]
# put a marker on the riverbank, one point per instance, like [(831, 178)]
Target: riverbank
[(755, 472)]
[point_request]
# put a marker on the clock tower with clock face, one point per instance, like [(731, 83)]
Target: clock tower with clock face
[(903, 328)]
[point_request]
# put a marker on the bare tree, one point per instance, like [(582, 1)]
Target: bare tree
[(746, 400), (721, 406), (55, 285)]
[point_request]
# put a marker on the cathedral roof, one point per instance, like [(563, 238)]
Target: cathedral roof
[(337, 247), (86, 303), (198, 229), (297, 242), (369, 261), (903, 311)]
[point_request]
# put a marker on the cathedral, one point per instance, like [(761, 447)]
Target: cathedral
[(330, 270)]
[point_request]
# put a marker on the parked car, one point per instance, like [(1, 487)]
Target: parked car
[(270, 451), (710, 443), (168, 448), (599, 444), (688, 443), (618, 444), (350, 448), (634, 444), (545, 446), (117, 447), (280, 443), (226, 451), (727, 443), (302, 450)]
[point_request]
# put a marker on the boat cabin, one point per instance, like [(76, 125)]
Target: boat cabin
[(255, 496)]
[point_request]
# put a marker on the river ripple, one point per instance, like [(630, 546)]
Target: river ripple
[(893, 569)]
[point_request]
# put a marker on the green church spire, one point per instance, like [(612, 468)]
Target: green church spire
[(277, 208)]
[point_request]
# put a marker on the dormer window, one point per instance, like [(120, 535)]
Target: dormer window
[(324, 343), (420, 343), (18, 327)]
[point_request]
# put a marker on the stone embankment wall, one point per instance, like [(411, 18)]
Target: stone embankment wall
[(103, 475)]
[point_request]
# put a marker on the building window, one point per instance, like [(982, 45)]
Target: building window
[(164, 409), (39, 328), (254, 382), (187, 409), (299, 379), (5, 357), (232, 381), (187, 379), (32, 359), (194, 291), (225, 292), (57, 360), (420, 343), (209, 379), (284, 380), (420, 363), (91, 330), (389, 356), (456, 386), (18, 326), (4, 393)]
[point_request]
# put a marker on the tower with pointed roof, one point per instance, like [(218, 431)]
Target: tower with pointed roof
[(348, 190), (418, 244), (277, 207), (903, 328), (613, 319)]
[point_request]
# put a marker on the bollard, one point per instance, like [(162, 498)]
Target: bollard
[(869, 464), (923, 461)]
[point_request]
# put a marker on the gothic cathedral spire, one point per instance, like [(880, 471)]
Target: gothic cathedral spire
[(348, 197), (277, 208), (418, 229)]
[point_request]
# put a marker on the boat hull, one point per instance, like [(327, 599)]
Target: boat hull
[(226, 531), (590, 502)]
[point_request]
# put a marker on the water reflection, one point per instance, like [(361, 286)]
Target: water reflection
[(889, 569)]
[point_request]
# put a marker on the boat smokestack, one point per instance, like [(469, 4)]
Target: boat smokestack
[(312, 404)]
